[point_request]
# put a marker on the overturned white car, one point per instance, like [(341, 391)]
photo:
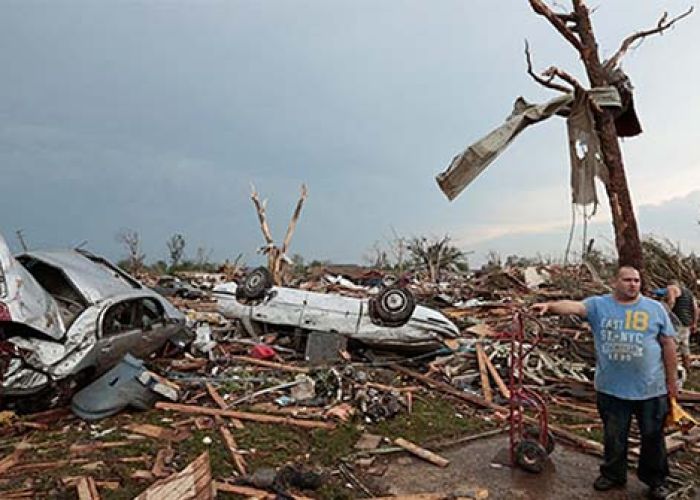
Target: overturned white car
[(390, 320), (68, 315)]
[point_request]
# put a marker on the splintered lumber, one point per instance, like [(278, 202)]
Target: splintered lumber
[(23, 494), (253, 417), (11, 460), (585, 444), (158, 432), (86, 488), (269, 364), (447, 389), (71, 481), (249, 492), (431, 457), (496, 377), (79, 449), (245, 491), (39, 466), (675, 441), (193, 482), (222, 404), (233, 449), (483, 372), (163, 458)]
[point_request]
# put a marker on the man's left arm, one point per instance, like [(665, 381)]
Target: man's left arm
[(667, 339), (668, 346)]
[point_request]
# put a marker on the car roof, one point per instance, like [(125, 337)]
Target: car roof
[(95, 277)]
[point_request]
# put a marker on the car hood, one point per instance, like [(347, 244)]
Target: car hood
[(24, 300)]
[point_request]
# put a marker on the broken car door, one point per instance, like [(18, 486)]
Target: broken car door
[(120, 332), (282, 306), (331, 313)]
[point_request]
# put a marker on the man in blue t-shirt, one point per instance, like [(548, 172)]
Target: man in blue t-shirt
[(635, 375)]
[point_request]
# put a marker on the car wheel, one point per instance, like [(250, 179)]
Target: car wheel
[(256, 283), (392, 307), (530, 455)]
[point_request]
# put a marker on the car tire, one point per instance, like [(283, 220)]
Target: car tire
[(392, 307), (530, 456), (256, 284)]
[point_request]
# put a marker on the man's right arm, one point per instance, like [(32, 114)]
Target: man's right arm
[(561, 307)]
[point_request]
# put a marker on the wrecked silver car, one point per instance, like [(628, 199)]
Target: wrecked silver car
[(389, 320), (68, 315)]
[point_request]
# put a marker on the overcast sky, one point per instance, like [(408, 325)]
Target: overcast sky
[(157, 116)]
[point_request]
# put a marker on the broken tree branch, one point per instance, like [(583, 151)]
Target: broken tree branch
[(553, 71), (662, 25), (295, 218), (260, 209), (555, 20), (542, 81)]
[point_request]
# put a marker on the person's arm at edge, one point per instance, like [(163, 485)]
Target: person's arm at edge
[(668, 346), (561, 307), (672, 293)]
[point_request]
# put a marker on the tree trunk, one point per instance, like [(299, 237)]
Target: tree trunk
[(629, 248)]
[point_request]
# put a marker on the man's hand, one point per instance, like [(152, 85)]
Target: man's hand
[(560, 307), (540, 309)]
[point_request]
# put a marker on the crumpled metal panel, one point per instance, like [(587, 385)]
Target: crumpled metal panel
[(18, 377), (25, 299), (94, 280)]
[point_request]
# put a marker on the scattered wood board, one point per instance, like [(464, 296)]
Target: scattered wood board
[(191, 483)]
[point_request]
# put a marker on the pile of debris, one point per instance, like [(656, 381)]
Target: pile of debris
[(326, 365)]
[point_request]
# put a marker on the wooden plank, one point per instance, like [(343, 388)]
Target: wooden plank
[(586, 444), (80, 449), (230, 443), (23, 494), (222, 404), (191, 483), (86, 488), (163, 459), (502, 388), (254, 417), (158, 432), (11, 460), (427, 455), (269, 364), (249, 492), (245, 491), (485, 384)]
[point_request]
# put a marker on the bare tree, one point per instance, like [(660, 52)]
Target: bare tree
[(399, 248), (176, 249), (577, 29), (376, 256), (277, 259), (434, 255), (132, 243), (202, 257)]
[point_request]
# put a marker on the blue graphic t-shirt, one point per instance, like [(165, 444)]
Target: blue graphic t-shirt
[(629, 362)]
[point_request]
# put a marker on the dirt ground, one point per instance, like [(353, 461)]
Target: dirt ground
[(475, 465)]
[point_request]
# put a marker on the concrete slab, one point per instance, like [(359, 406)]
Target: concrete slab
[(570, 474)]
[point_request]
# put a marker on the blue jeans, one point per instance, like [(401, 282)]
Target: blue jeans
[(617, 414)]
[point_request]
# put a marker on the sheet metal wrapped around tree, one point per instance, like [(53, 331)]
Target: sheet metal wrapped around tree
[(467, 165)]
